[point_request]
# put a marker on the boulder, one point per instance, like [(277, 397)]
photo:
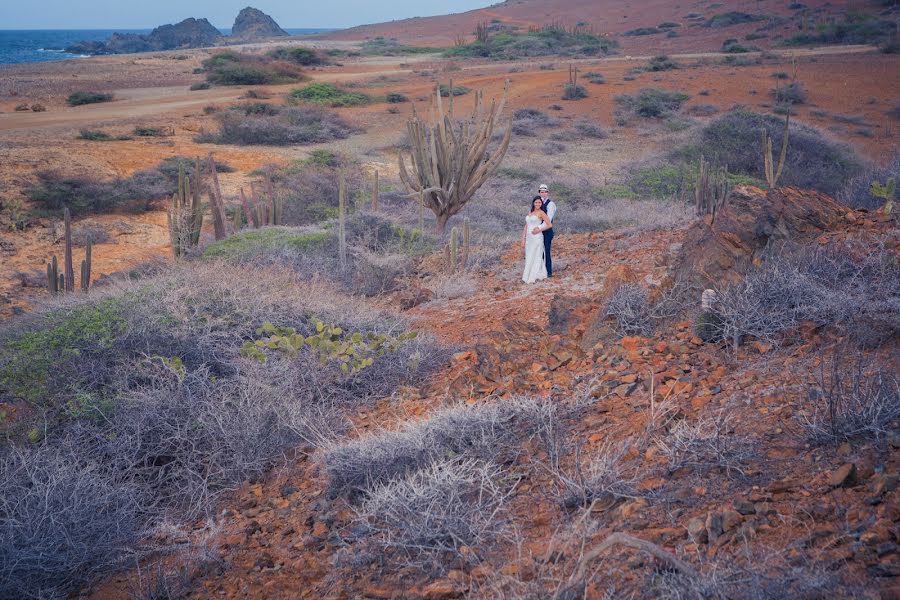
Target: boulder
[(252, 23), (723, 251)]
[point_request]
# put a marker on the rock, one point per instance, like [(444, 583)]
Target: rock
[(252, 23), (561, 310), (844, 476), (748, 226), (697, 530), (714, 525), (440, 590), (320, 529), (414, 296), (632, 342), (189, 33), (730, 520)]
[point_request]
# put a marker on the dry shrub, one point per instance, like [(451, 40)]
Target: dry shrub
[(853, 397), (283, 127), (153, 413), (853, 287), (489, 432), (635, 314), (453, 286), (431, 514), (603, 475), (709, 442)]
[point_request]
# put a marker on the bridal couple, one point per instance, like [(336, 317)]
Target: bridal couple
[(537, 236)]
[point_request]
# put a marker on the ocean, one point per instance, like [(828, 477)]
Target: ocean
[(23, 46)]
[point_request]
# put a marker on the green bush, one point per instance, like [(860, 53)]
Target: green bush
[(643, 31), (232, 68), (263, 241), (813, 161), (53, 361), (652, 102), (283, 127), (395, 98), (792, 93), (94, 135), (732, 18), (329, 95), (79, 98), (855, 28), (298, 55), (574, 92), (549, 41), (458, 90), (381, 46)]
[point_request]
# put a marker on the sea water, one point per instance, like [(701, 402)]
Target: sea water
[(22, 46)]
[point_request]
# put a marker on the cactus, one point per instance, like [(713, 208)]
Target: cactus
[(67, 260), (454, 250), (422, 211), (342, 218), (773, 172), (216, 204), (711, 189), (481, 33), (86, 267), (464, 258), (375, 193), (885, 192), (62, 282), (53, 276), (236, 220), (185, 215), (449, 158)]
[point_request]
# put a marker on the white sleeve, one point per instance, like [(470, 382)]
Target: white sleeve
[(551, 210)]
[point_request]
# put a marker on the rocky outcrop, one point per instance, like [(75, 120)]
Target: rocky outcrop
[(753, 220), (190, 33), (252, 23)]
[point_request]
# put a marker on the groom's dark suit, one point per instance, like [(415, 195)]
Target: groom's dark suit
[(548, 235)]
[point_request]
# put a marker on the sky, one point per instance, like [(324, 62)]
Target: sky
[(112, 14)]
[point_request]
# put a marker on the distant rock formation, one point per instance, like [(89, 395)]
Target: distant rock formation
[(252, 23), (190, 33)]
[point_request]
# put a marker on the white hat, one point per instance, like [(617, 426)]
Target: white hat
[(543, 188)]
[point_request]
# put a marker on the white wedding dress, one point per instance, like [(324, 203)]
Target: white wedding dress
[(535, 267)]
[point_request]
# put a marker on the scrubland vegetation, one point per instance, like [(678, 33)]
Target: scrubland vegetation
[(141, 405)]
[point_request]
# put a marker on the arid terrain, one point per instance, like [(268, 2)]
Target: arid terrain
[(769, 505)]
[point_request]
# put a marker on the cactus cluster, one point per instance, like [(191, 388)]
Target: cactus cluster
[(262, 211), (711, 189), (185, 214), (456, 252), (65, 282)]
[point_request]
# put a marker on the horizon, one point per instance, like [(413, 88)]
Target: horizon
[(339, 14)]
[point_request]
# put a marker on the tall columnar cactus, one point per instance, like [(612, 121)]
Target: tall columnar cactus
[(454, 250), (422, 211), (250, 214), (67, 260), (449, 158), (185, 214), (53, 276), (216, 203), (773, 172), (481, 33), (342, 218), (464, 258), (86, 267)]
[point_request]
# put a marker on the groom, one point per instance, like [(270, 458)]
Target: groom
[(549, 207)]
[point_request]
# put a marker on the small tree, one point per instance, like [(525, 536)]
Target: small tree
[(449, 158)]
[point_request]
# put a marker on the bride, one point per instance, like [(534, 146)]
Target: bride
[(535, 267)]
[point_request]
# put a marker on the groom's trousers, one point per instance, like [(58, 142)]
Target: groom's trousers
[(548, 239)]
